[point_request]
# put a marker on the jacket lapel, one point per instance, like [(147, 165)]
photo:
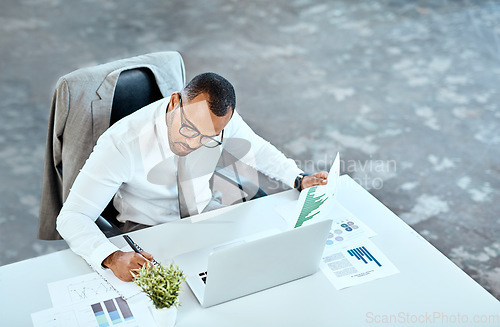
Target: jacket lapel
[(101, 107)]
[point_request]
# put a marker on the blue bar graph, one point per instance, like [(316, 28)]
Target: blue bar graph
[(361, 253), (113, 312), (102, 321)]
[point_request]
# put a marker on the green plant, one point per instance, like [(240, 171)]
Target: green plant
[(162, 285)]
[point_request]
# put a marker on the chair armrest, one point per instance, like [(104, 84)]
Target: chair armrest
[(253, 190), (107, 228)]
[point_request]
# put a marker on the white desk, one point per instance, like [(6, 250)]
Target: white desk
[(429, 284)]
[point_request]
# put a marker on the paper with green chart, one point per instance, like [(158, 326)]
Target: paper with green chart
[(317, 200)]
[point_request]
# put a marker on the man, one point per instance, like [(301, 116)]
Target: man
[(139, 161)]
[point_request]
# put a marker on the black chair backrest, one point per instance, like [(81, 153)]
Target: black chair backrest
[(134, 89)]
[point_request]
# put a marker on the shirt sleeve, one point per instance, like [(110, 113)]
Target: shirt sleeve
[(106, 169), (262, 155)]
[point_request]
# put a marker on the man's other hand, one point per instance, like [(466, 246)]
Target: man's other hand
[(122, 262), (315, 179)]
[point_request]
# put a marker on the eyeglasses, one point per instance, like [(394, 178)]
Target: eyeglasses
[(188, 130)]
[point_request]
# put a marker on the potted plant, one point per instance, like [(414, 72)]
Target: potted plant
[(162, 286)]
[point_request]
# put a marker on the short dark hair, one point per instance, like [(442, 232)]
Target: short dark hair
[(221, 96)]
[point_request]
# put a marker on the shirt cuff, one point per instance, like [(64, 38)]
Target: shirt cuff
[(101, 253), (290, 176)]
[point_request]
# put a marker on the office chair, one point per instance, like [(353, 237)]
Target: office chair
[(85, 103)]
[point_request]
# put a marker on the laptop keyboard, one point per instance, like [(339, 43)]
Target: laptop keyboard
[(203, 276)]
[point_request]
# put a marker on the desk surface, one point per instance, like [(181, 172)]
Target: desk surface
[(429, 287)]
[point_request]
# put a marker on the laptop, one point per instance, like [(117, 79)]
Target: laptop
[(245, 266)]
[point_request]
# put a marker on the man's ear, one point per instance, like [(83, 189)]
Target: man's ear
[(174, 101)]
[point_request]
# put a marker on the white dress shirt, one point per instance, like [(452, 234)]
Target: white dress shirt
[(132, 161)]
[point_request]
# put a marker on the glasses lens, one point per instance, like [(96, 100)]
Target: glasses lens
[(208, 142), (188, 132)]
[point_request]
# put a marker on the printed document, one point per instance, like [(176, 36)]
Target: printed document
[(354, 263), (103, 312)]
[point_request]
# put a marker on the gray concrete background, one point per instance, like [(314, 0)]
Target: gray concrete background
[(407, 91)]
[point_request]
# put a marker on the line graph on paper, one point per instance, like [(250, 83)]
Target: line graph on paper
[(89, 287)]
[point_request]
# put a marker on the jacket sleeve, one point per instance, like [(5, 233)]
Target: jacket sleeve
[(52, 198)]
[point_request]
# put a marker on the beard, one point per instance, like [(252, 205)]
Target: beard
[(178, 148)]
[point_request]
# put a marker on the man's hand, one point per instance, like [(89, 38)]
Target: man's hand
[(314, 179), (122, 262)]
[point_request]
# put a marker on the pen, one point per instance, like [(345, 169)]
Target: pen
[(136, 248)]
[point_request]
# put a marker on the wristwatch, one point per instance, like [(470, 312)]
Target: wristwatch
[(298, 181)]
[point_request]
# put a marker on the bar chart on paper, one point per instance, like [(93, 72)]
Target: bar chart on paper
[(364, 255), (88, 300), (360, 261), (312, 203), (111, 312)]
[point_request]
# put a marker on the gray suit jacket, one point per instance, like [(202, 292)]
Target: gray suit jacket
[(79, 114)]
